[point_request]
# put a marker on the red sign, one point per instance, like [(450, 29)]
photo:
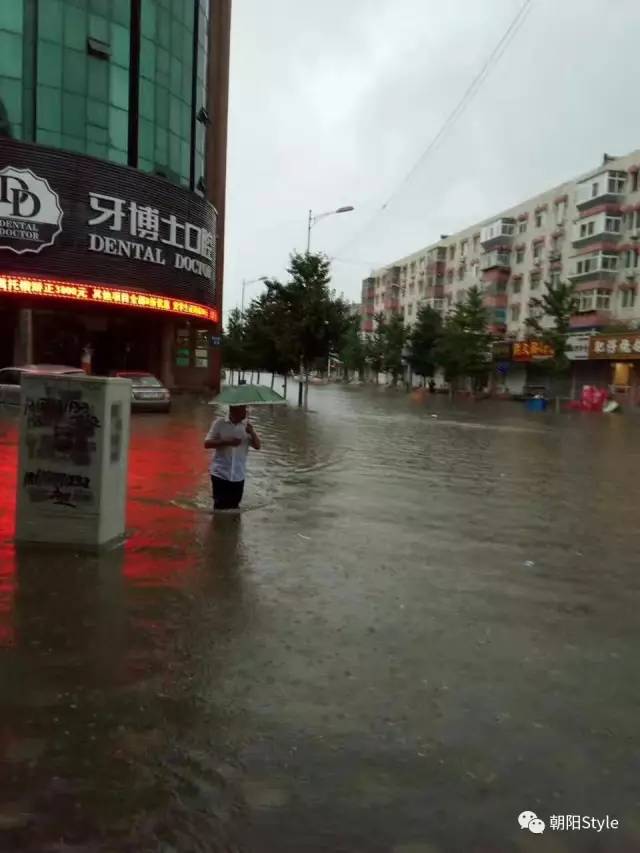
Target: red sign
[(531, 351), (103, 295)]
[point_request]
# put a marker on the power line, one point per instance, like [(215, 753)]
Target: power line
[(471, 91)]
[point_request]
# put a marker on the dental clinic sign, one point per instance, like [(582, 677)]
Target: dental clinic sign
[(30, 213), (81, 221), (143, 233)]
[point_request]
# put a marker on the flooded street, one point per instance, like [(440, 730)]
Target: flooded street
[(418, 628)]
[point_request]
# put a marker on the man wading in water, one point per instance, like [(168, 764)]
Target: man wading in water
[(231, 438)]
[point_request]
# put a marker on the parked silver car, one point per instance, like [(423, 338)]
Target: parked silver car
[(11, 377), (148, 394)]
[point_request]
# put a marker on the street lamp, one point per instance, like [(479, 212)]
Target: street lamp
[(313, 219), (244, 284)]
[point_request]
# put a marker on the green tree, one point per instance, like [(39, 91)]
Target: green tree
[(395, 336), (423, 340), (375, 346), (352, 350), (463, 348), (550, 321), (557, 306)]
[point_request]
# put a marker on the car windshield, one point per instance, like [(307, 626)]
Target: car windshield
[(146, 379)]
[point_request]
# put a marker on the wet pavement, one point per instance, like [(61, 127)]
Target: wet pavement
[(418, 628)]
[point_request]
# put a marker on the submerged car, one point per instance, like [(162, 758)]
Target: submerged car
[(148, 394), (11, 378)]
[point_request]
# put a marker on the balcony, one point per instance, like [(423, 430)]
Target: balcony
[(607, 186), (590, 320), (603, 226), (495, 300), (500, 229), (594, 265), (495, 259)]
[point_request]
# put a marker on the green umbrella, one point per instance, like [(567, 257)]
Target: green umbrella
[(248, 395)]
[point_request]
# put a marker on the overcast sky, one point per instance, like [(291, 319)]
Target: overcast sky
[(333, 102)]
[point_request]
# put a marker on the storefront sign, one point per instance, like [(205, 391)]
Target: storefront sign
[(578, 347), (116, 296), (73, 219), (531, 351), (30, 214), (615, 347)]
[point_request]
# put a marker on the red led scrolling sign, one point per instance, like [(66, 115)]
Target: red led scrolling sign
[(102, 295)]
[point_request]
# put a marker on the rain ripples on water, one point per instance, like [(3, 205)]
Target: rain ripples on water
[(417, 627)]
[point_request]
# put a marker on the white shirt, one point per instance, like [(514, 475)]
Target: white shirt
[(229, 463)]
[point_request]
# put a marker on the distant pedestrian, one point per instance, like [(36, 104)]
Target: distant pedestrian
[(432, 386), (231, 438)]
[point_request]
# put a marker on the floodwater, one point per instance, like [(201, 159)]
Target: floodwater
[(418, 628)]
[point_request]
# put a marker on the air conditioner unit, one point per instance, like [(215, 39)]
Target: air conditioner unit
[(630, 274), (635, 235)]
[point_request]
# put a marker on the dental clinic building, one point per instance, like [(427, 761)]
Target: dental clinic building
[(112, 175)]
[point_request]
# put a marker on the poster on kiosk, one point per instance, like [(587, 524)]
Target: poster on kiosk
[(73, 460)]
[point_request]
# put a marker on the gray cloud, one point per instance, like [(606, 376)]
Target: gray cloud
[(332, 104)]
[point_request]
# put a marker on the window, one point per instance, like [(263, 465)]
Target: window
[(450, 276), (476, 241), (519, 256), (537, 251), (591, 300), (561, 209), (634, 182), (534, 282), (410, 309), (613, 224), (630, 259), (609, 262), (460, 273), (587, 229), (628, 296), (539, 218), (517, 285), (463, 248), (515, 313), (554, 279), (522, 226), (452, 252), (594, 189), (616, 182)]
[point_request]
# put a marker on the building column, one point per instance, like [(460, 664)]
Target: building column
[(23, 341), (166, 356)]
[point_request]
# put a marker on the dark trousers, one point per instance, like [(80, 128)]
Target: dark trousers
[(226, 494)]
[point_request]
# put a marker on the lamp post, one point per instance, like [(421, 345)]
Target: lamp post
[(317, 217)]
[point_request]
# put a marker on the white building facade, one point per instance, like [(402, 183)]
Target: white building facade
[(586, 231)]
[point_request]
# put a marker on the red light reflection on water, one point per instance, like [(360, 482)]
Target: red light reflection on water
[(167, 472)]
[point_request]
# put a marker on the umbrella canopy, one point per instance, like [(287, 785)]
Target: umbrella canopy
[(248, 395)]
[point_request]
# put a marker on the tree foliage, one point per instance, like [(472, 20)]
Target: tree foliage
[(395, 336), (352, 349), (463, 347), (299, 321), (423, 341), (557, 304)]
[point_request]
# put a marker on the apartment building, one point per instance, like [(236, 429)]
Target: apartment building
[(586, 230)]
